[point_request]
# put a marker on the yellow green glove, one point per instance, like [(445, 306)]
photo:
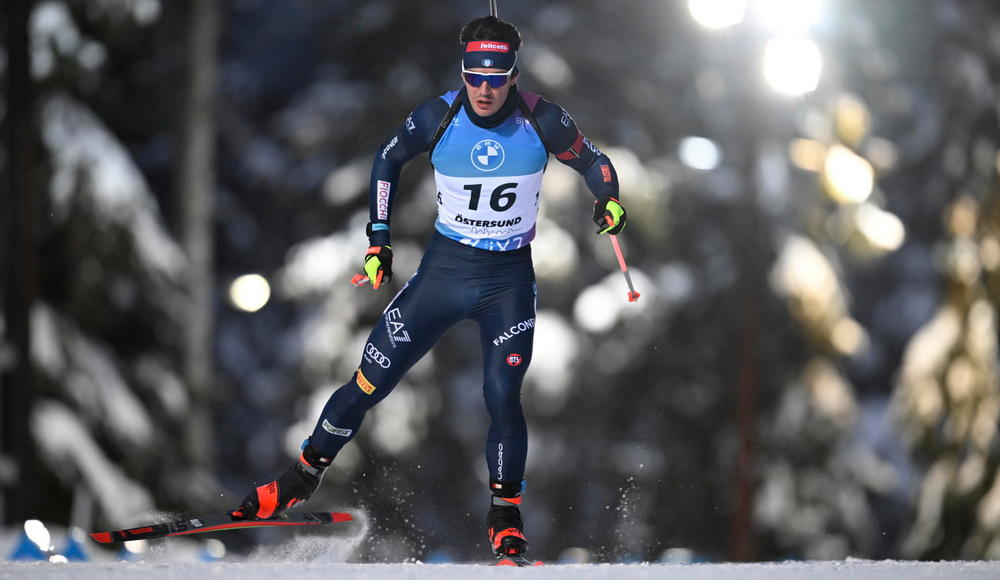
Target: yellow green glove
[(378, 265), (609, 208)]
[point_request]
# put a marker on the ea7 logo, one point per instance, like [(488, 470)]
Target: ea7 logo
[(514, 359), (396, 329)]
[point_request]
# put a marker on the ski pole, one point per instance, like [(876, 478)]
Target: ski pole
[(493, 8), (632, 294), (360, 280)]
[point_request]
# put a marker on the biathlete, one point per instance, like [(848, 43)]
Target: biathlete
[(488, 143)]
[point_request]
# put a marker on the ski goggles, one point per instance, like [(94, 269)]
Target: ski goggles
[(495, 80)]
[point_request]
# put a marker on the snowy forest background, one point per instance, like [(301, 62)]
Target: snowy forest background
[(811, 371)]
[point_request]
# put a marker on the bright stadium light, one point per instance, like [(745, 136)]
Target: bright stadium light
[(715, 14), (249, 292), (792, 65)]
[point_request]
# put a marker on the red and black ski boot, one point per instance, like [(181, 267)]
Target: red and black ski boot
[(294, 486), (505, 526)]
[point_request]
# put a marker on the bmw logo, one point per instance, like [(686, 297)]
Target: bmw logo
[(487, 155)]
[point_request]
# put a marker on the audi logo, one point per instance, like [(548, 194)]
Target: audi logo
[(377, 356)]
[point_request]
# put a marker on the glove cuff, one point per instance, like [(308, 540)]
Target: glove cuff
[(378, 233)]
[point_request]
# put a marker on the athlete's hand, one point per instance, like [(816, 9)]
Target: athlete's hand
[(378, 265), (606, 208)]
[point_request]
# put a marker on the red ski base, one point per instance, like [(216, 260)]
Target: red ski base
[(217, 523)]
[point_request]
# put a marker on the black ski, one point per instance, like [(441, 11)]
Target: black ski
[(217, 523)]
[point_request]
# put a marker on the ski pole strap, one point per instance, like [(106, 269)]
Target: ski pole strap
[(527, 109), (445, 121), (526, 102)]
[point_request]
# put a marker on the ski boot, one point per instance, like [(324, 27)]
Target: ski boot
[(505, 526), (293, 487)]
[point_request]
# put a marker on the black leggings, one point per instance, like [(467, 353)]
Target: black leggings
[(454, 282)]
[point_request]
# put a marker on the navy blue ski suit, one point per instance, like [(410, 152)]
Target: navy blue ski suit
[(488, 172)]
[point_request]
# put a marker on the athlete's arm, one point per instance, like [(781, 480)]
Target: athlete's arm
[(572, 148), (408, 140)]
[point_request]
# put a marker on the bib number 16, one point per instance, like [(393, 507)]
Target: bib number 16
[(501, 199)]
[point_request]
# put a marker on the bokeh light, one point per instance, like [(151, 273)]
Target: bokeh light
[(882, 229), (716, 14), (250, 292), (849, 178), (788, 16), (792, 65), (699, 153), (38, 534)]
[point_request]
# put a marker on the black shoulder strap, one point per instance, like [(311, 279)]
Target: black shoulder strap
[(445, 121), (453, 110), (526, 111)]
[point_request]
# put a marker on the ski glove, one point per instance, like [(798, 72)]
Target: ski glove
[(605, 208), (378, 265)]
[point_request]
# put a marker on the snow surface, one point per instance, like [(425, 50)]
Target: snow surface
[(328, 554), (860, 569)]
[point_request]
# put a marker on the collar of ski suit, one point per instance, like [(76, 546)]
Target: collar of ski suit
[(495, 119)]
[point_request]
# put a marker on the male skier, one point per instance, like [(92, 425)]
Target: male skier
[(488, 144)]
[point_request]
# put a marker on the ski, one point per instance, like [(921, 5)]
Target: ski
[(216, 523), (516, 560)]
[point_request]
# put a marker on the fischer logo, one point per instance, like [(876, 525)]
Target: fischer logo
[(137, 531), (395, 329), (374, 355), (487, 45), (329, 428), (364, 384), (382, 199), (513, 331), (391, 144)]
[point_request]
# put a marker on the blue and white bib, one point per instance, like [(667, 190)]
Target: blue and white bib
[(488, 181)]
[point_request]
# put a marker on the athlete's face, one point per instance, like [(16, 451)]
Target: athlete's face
[(485, 99)]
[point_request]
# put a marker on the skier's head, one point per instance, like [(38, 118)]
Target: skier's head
[(489, 62)]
